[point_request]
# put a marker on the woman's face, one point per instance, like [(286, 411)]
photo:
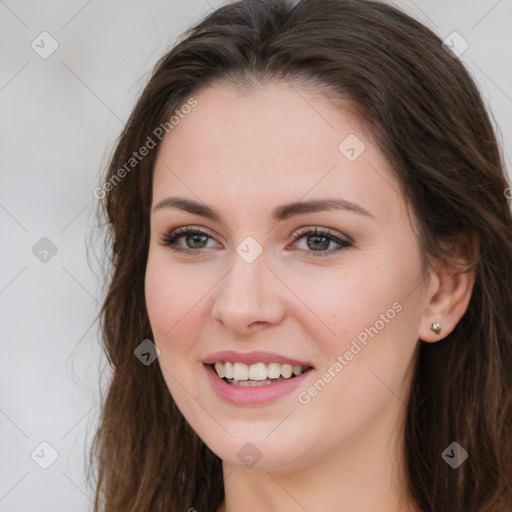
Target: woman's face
[(343, 305)]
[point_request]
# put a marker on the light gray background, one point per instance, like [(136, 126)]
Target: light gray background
[(59, 119)]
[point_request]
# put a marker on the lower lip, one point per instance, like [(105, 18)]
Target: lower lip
[(254, 395)]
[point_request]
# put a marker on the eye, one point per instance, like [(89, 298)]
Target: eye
[(317, 240), (194, 239)]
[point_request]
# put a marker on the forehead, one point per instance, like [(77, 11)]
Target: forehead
[(274, 143)]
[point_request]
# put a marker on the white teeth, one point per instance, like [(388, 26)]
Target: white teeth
[(286, 370), (274, 370), (245, 375), (240, 371), (219, 368), (228, 370), (257, 371)]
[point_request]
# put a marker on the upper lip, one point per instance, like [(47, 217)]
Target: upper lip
[(252, 358)]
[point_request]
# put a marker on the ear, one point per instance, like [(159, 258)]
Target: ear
[(449, 289)]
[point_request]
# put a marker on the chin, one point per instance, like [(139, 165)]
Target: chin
[(255, 453)]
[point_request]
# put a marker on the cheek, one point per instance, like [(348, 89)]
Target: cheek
[(177, 302), (173, 303), (172, 296), (370, 318), (344, 303), (367, 369), (161, 300), (169, 304)]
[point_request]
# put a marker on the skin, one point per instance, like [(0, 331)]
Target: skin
[(244, 153)]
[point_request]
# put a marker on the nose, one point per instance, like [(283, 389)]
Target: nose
[(249, 297)]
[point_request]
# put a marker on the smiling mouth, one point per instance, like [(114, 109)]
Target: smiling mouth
[(259, 374)]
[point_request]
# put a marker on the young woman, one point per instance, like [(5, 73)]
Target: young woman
[(311, 291)]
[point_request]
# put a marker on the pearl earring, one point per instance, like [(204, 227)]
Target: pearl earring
[(436, 327)]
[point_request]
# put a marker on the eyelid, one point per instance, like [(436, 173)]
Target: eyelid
[(323, 231)]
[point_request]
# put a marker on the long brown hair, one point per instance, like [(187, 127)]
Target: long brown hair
[(428, 119)]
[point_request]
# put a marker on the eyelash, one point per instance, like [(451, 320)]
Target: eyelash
[(178, 233)]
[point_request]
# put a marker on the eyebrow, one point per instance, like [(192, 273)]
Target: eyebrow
[(279, 213)]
